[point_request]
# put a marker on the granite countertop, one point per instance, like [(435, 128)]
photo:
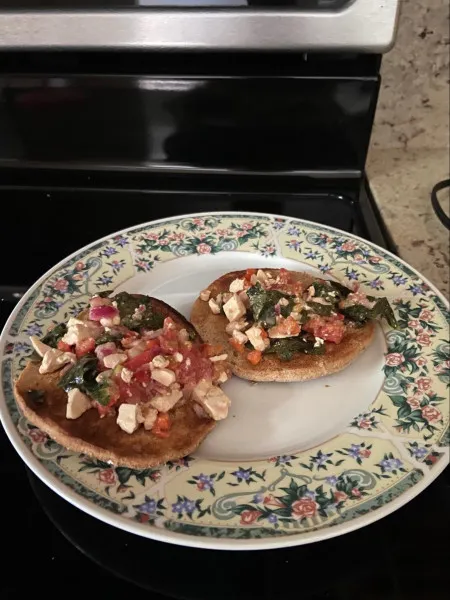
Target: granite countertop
[(409, 150), (401, 182)]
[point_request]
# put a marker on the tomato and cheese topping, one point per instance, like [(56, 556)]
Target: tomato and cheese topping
[(128, 361), (271, 313)]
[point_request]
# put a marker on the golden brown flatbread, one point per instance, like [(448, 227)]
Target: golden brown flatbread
[(102, 438), (302, 366)]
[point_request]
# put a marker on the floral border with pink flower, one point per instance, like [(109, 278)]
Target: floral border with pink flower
[(321, 483)]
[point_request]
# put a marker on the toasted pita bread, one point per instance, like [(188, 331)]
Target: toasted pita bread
[(101, 438), (302, 367)]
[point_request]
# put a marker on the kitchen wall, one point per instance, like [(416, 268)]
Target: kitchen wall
[(413, 108)]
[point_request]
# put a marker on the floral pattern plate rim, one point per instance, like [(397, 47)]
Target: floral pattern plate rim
[(384, 457)]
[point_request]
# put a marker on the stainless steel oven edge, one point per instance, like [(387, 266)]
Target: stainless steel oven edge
[(363, 25)]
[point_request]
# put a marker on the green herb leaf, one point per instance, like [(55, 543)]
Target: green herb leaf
[(108, 336), (383, 309), (127, 305), (99, 392), (34, 357), (361, 314), (323, 310), (262, 303), (52, 337), (286, 348), (82, 376)]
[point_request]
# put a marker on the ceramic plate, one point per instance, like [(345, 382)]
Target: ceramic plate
[(293, 463)]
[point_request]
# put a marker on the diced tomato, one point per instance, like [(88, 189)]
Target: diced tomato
[(169, 340), (162, 425), (340, 316), (142, 375), (63, 346), (193, 368), (142, 358), (169, 324), (254, 357), (84, 347), (152, 344), (286, 327), (330, 329), (249, 273), (264, 334), (131, 393), (236, 345)]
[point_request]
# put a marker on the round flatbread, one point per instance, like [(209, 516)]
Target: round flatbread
[(102, 438), (302, 366)]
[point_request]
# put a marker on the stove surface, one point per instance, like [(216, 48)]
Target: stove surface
[(403, 556)]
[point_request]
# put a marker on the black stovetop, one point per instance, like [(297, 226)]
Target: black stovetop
[(51, 547)]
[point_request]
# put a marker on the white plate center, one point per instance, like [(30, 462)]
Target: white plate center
[(268, 419)]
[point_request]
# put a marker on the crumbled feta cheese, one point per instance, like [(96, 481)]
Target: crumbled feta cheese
[(112, 360), (234, 309), (75, 321), (319, 341), (166, 403), (159, 362), (283, 302), (128, 417), (262, 277), (77, 404), (212, 399), (150, 415), (223, 377), (240, 337), (178, 357), (104, 376), (237, 285), (126, 375), (254, 335), (81, 331), (204, 295), (54, 360), (218, 358), (236, 326), (215, 308), (110, 321), (164, 376)]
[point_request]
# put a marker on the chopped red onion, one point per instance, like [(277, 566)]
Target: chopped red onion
[(105, 350), (97, 313)]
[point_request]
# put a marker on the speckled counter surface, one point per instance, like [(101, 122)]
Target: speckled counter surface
[(409, 147), (401, 182)]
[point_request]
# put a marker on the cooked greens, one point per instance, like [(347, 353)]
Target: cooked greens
[(109, 336), (52, 337), (82, 376), (287, 347), (262, 303), (361, 314), (127, 305)]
